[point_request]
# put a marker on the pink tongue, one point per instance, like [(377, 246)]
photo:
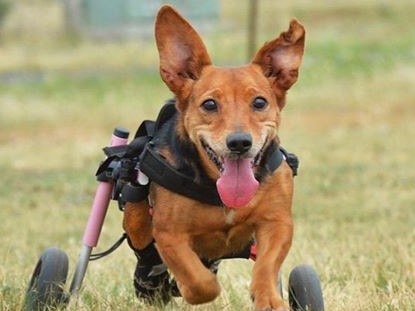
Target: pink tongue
[(237, 184)]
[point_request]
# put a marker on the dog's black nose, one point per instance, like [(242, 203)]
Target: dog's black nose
[(239, 142)]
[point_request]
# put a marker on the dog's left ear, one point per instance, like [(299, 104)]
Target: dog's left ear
[(182, 52), (281, 58)]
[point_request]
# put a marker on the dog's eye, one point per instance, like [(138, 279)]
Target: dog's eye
[(259, 103), (210, 105)]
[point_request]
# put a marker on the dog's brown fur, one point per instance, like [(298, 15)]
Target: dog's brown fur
[(186, 230)]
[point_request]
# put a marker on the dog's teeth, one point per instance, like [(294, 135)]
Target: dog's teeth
[(213, 156)]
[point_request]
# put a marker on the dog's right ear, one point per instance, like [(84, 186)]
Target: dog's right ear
[(182, 52)]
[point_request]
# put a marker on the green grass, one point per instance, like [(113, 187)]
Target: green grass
[(350, 119)]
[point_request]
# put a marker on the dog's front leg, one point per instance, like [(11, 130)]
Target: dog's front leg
[(273, 243), (196, 283)]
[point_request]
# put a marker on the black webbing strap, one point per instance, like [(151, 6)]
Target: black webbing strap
[(271, 160), (159, 171), (134, 193), (292, 160)]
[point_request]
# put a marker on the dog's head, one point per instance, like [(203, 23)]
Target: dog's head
[(230, 114)]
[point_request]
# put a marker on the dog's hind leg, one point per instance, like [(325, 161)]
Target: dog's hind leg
[(151, 279), (196, 283), (137, 224)]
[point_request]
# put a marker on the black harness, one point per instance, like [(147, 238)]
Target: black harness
[(123, 163)]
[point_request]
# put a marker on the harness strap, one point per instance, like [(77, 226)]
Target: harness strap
[(134, 193), (292, 160), (161, 172)]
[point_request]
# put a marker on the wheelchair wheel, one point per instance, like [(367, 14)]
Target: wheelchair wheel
[(45, 289), (304, 289)]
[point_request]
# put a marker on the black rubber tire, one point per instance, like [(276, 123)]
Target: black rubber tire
[(304, 289), (46, 287)]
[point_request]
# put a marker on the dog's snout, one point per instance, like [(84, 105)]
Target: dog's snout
[(239, 142)]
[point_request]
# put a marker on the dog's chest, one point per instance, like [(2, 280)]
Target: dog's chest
[(230, 217), (234, 217), (229, 239)]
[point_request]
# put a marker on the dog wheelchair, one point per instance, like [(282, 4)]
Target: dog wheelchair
[(46, 289)]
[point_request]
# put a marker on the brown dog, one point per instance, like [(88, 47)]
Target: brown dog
[(227, 121)]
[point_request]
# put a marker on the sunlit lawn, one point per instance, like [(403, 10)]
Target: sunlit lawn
[(350, 119)]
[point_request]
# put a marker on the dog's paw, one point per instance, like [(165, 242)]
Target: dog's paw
[(284, 307), (201, 291), (265, 301)]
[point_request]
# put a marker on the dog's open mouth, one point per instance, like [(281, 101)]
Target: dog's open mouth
[(237, 184), (219, 161)]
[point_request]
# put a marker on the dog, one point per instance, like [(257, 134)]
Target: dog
[(223, 132)]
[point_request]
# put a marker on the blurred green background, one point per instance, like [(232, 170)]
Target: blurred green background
[(350, 118)]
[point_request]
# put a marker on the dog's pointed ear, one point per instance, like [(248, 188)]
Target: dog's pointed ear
[(182, 52), (281, 58)]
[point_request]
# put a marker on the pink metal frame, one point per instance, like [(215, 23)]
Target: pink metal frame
[(95, 221)]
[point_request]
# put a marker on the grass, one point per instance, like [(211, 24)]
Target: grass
[(350, 119)]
